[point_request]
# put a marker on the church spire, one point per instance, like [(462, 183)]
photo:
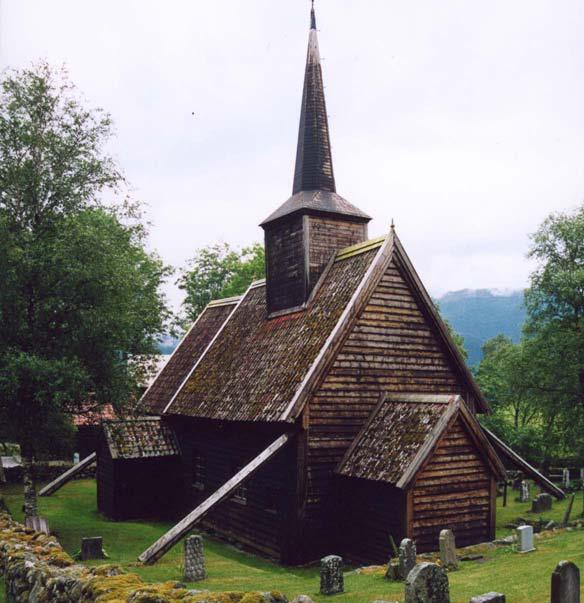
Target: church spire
[(314, 164)]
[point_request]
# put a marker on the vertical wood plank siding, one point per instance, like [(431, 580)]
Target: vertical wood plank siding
[(259, 521), (452, 491), (391, 349), (285, 264), (327, 236)]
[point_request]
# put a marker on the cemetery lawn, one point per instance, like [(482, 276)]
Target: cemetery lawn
[(72, 514)]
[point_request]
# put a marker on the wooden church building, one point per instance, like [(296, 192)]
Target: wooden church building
[(324, 410)]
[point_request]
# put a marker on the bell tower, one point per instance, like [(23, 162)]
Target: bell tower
[(315, 222)]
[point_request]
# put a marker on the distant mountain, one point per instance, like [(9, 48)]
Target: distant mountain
[(477, 314), (480, 314)]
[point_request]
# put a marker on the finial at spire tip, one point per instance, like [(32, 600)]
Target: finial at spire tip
[(392, 224)]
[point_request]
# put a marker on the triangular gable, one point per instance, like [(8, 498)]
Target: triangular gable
[(401, 434)]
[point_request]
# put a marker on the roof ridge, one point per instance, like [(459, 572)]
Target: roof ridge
[(223, 301), (358, 248)]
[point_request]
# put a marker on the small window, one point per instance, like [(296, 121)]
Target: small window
[(240, 494), (199, 475)]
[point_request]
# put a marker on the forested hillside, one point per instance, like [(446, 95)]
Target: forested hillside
[(480, 314)]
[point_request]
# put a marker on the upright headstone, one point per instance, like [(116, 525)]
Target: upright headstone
[(448, 550), (566, 583), (92, 548), (427, 583), (525, 539), (489, 598), (76, 458), (331, 575), (566, 478), (524, 492), (194, 559), (582, 477), (407, 557), (541, 503)]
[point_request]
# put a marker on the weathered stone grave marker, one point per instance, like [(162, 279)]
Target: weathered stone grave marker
[(92, 548), (331, 575), (541, 503), (524, 492), (448, 550), (194, 559), (489, 598), (525, 539), (427, 583), (407, 557), (76, 458), (566, 583)]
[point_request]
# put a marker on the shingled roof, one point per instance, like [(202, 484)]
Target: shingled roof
[(401, 434), (140, 438), (256, 365), (192, 346)]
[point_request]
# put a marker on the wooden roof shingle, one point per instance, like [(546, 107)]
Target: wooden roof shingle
[(401, 434), (189, 350), (143, 437)]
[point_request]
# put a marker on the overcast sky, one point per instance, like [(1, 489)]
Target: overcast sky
[(461, 120)]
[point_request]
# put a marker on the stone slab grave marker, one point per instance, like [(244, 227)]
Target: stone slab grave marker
[(92, 548), (331, 575), (407, 557), (448, 550), (76, 458), (427, 583), (524, 492), (566, 583), (489, 598), (194, 559), (38, 524), (525, 539), (541, 503)]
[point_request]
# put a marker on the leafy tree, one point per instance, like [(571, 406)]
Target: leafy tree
[(79, 292), (218, 271)]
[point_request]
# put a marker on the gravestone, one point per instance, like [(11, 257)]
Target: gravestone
[(331, 575), (525, 539), (566, 583), (38, 524), (392, 572), (407, 557), (541, 503), (566, 478), (76, 458), (448, 550), (427, 583), (92, 548), (582, 477), (489, 598), (194, 559), (524, 492), (302, 599)]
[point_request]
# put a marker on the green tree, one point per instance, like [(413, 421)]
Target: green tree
[(79, 292), (218, 271)]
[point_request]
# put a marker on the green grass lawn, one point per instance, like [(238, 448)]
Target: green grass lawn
[(72, 514)]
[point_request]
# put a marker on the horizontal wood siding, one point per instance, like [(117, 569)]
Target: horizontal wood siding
[(371, 512), (452, 491), (257, 523), (392, 348)]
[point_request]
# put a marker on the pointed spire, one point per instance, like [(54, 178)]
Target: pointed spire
[(314, 164)]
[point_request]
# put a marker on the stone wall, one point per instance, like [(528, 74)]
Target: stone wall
[(37, 569)]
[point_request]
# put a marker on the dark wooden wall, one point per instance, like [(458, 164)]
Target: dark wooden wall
[(265, 521), (392, 348), (369, 513), (285, 264), (139, 488), (327, 236), (454, 490)]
